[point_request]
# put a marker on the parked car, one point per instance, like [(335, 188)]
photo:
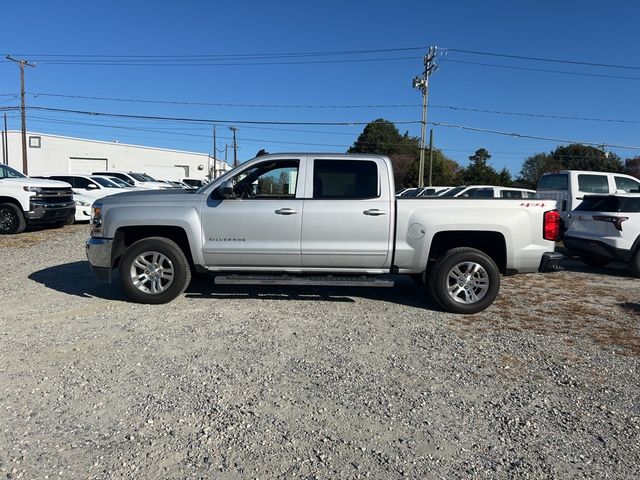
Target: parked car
[(433, 191), (83, 207), (31, 201), (568, 187), (91, 186), (407, 191), (331, 217), (194, 182), (488, 191), (141, 180), (117, 182), (604, 228)]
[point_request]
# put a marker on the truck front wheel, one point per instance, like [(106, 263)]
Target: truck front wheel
[(154, 270), (464, 280), (11, 219)]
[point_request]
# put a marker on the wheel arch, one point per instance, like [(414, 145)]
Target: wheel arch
[(127, 236), (491, 243)]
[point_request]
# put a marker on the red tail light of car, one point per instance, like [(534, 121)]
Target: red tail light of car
[(551, 227)]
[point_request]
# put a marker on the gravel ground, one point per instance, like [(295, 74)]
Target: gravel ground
[(287, 382)]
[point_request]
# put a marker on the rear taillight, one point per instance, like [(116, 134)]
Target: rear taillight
[(617, 221), (551, 226)]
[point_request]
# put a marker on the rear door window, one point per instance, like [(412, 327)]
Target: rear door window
[(345, 179), (593, 183)]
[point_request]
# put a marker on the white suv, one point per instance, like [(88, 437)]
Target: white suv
[(604, 228)]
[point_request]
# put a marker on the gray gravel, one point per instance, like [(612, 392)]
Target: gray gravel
[(258, 382)]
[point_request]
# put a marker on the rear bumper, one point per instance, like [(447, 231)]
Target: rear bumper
[(595, 248), (99, 255), (550, 262)]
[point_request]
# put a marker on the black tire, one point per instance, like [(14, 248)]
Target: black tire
[(418, 278), (11, 219), (71, 219), (482, 281), (168, 257), (597, 262), (634, 265)]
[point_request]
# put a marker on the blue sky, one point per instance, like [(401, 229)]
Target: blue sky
[(586, 31)]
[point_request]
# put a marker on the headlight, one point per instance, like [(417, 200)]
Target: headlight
[(96, 219), (80, 203), (32, 189)]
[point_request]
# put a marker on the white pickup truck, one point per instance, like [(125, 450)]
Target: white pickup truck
[(317, 219), (31, 201)]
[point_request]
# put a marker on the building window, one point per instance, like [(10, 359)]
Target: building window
[(34, 142)]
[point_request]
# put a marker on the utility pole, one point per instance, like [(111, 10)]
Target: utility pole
[(235, 147), (226, 147), (430, 156), (23, 114), (422, 84), (5, 144), (215, 150)]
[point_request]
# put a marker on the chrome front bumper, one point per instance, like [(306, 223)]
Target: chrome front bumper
[(99, 256)]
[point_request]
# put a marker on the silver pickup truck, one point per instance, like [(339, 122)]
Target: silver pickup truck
[(318, 219)]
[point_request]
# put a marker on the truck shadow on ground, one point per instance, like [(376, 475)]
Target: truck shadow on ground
[(614, 269), (77, 279)]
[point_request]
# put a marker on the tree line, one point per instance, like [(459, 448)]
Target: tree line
[(382, 137)]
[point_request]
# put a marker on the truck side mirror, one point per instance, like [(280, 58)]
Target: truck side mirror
[(226, 190)]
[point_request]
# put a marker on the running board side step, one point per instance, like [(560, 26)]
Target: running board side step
[(319, 280)]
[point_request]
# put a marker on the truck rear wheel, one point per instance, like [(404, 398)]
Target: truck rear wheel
[(154, 270), (11, 219), (464, 280)]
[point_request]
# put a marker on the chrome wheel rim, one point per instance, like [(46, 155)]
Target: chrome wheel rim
[(152, 272), (467, 282)]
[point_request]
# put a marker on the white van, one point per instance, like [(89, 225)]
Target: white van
[(568, 187)]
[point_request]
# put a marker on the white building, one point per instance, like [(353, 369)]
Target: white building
[(54, 154)]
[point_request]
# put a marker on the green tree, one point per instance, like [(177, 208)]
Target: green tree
[(536, 165), (568, 157), (583, 157), (382, 137), (479, 172), (444, 170), (632, 166)]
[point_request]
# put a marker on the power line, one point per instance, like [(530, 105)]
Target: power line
[(535, 137), (218, 64), (540, 59), (258, 122), (212, 104), (543, 70), (203, 120), (311, 106), (231, 55), (269, 141)]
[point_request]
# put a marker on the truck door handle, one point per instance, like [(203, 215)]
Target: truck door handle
[(374, 212), (286, 211)]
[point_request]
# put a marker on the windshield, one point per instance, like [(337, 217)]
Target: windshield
[(138, 177), (104, 182), (148, 178), (453, 192), (120, 182), (8, 172), (412, 193)]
